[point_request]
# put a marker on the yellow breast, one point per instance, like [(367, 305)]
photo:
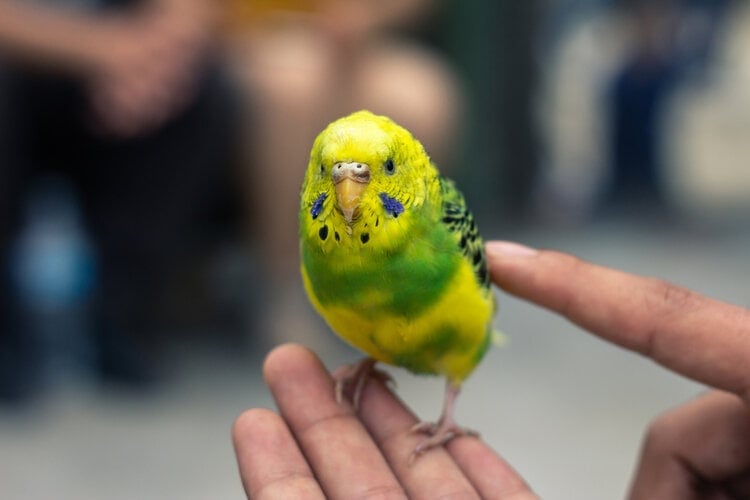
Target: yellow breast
[(449, 337)]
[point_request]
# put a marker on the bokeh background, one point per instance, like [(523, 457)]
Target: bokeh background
[(148, 196)]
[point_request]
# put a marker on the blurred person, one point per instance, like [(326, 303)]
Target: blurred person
[(606, 96), (636, 96), (698, 450), (126, 100), (303, 64), (707, 123), (578, 65)]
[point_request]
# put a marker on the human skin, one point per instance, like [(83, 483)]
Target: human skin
[(695, 451), (139, 66)]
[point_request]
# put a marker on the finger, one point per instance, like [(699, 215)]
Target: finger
[(271, 465), (433, 474), (698, 448), (329, 434), (701, 338), (436, 474), (492, 476)]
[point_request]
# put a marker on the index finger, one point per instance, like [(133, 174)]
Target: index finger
[(701, 338)]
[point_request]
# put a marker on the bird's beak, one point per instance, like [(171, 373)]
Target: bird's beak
[(351, 179)]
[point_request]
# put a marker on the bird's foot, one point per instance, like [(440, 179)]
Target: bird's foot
[(446, 427), (439, 434), (354, 377)]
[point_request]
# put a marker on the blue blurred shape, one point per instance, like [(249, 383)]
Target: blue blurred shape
[(53, 260), (53, 267)]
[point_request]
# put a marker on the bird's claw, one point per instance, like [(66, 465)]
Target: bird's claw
[(357, 376), (439, 434)]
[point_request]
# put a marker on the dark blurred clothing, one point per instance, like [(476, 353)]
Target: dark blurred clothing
[(144, 198), (638, 93)]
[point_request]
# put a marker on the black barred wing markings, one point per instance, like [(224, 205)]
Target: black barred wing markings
[(460, 221)]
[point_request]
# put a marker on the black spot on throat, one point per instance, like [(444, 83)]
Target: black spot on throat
[(364, 237), (323, 233)]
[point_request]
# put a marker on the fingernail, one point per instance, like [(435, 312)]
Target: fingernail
[(509, 249)]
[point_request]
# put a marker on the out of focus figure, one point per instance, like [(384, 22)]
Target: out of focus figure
[(636, 96), (708, 124), (124, 100), (610, 109), (302, 64)]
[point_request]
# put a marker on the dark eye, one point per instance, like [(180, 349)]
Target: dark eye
[(322, 168), (389, 167)]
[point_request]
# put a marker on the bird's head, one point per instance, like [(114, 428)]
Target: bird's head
[(364, 162)]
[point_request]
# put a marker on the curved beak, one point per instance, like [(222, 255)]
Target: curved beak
[(351, 179)]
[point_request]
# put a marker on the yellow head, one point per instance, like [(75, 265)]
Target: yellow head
[(366, 164)]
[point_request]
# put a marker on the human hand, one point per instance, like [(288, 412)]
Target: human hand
[(351, 24), (700, 449), (694, 451), (319, 448), (146, 68)]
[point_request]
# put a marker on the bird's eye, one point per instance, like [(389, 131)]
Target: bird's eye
[(322, 168), (389, 167)]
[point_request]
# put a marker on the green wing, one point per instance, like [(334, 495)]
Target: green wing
[(460, 222)]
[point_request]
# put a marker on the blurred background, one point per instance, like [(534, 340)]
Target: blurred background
[(150, 159)]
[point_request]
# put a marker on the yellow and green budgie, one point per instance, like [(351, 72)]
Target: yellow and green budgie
[(392, 259)]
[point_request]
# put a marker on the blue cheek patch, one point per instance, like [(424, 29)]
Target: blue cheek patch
[(391, 205), (318, 206)]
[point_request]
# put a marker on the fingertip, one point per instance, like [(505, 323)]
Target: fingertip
[(256, 431), (528, 272), (269, 459), (507, 258), (250, 421), (285, 357), (500, 249), (473, 456), (297, 378)]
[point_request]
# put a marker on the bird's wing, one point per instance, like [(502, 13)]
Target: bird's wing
[(460, 222)]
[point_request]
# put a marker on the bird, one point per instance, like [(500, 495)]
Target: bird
[(392, 259)]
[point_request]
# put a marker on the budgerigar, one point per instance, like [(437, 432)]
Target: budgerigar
[(392, 259)]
